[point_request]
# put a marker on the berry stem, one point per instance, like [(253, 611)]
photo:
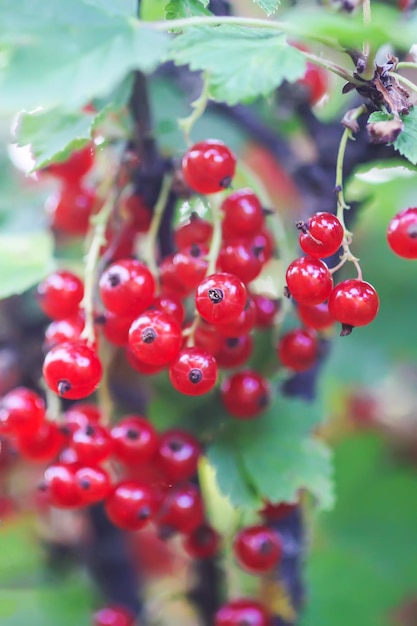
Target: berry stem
[(53, 405), (199, 106), (216, 240), (149, 249), (367, 19), (406, 65), (405, 81)]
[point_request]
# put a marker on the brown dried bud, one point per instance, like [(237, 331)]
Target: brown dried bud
[(384, 132)]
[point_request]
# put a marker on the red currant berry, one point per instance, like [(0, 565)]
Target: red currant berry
[(60, 331), (243, 324), (92, 444), (62, 487), (207, 337), (22, 412), (140, 215), (321, 236), (353, 303), (243, 214), (298, 349), (146, 369), (60, 294), (120, 242), (245, 394), (42, 446), (264, 244), (202, 543), (402, 234), (116, 327), (240, 258), (193, 372), (72, 370), (71, 209), (171, 306), (315, 81), (190, 264), (182, 509), (131, 505), (196, 230), (81, 415), (178, 455), (235, 351), (220, 298), (309, 280), (127, 287), (113, 616), (317, 316), (276, 512), (266, 310), (155, 338), (242, 612), (93, 483), (75, 166), (258, 549), (169, 279), (208, 166), (135, 440)]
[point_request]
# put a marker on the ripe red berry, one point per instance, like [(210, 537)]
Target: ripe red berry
[(72, 370), (276, 512), (61, 485), (42, 446), (242, 612), (266, 310), (190, 265), (93, 483), (71, 209), (245, 394), (317, 316), (140, 215), (298, 349), (316, 83), (146, 369), (75, 166), (321, 236), (353, 303), (131, 505), (127, 287), (60, 294), (196, 230), (155, 338), (209, 166), (240, 258), (181, 509), (169, 279), (60, 331), (135, 440), (264, 244), (193, 372), (113, 616), (178, 455), (207, 337), (243, 214), (243, 324), (170, 305), (116, 327), (22, 412), (234, 351), (81, 415), (92, 444), (202, 543), (402, 234), (220, 298), (258, 549), (309, 280)]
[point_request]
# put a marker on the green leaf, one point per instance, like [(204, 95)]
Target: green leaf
[(269, 6), (25, 259), (230, 475), (274, 455), (53, 135), (65, 54), (368, 537), (258, 60), (406, 142), (117, 7), (186, 8)]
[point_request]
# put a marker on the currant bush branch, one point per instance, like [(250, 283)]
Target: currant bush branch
[(199, 106), (149, 250)]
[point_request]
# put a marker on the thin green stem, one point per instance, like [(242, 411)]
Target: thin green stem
[(149, 250), (367, 19), (330, 66), (199, 106), (406, 65), (405, 81), (216, 240)]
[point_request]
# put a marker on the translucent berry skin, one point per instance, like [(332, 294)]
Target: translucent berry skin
[(257, 549), (60, 294), (197, 231), (402, 234), (298, 349), (135, 440), (22, 412), (70, 210), (131, 505), (127, 287), (220, 298), (178, 455), (81, 415), (353, 303), (317, 316), (240, 258), (242, 612), (243, 324), (113, 616), (42, 446), (322, 236), (207, 337), (202, 543), (75, 167), (60, 331), (315, 81), (266, 310), (193, 372), (234, 351), (72, 370), (182, 509), (94, 484), (171, 306), (274, 512), (245, 394), (190, 264), (155, 338), (146, 369), (208, 166), (62, 487), (309, 280), (92, 443), (116, 328), (140, 215), (243, 214)]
